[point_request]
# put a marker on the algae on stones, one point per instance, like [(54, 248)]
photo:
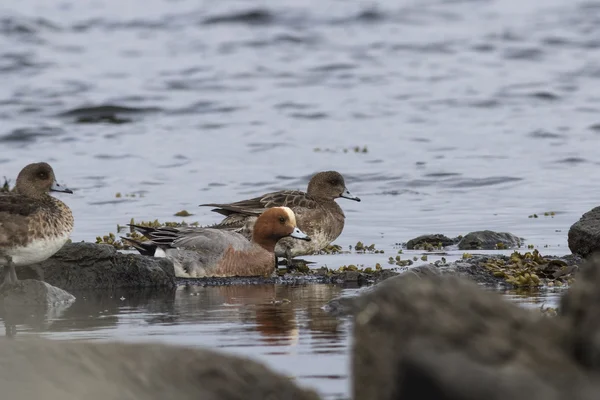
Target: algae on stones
[(531, 269), (361, 248), (183, 213)]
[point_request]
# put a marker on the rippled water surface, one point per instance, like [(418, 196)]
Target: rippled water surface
[(474, 115)]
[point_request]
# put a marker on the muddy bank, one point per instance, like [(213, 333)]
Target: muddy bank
[(432, 335), (80, 266), (529, 269)]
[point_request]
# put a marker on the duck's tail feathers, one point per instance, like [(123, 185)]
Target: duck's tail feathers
[(161, 237), (144, 248), (229, 209)]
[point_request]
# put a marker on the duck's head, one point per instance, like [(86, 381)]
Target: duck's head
[(35, 180), (274, 224), (329, 185)]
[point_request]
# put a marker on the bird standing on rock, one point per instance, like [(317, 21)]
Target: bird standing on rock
[(33, 224)]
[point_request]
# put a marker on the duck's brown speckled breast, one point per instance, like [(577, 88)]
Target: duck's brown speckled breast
[(323, 224), (53, 219)]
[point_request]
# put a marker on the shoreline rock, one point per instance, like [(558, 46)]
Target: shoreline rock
[(81, 266), (489, 240), (96, 266), (584, 235), (425, 242)]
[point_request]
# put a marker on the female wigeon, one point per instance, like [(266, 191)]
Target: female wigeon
[(316, 211), (200, 252), (33, 224)]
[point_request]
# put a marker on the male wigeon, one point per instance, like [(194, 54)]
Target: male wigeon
[(33, 224), (200, 252), (316, 211)]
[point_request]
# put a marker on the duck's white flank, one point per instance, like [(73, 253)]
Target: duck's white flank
[(38, 250)]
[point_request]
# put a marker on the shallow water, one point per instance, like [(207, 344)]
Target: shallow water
[(475, 114)]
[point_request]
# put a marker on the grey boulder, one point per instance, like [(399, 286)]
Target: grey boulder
[(584, 235)]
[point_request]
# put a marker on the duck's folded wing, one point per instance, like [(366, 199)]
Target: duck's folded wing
[(257, 205), (211, 240), (13, 204)]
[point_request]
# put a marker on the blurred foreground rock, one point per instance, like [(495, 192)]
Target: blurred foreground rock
[(57, 370), (97, 266), (584, 235), (430, 335)]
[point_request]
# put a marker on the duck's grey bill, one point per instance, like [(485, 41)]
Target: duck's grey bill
[(298, 234), (350, 196), (57, 188)]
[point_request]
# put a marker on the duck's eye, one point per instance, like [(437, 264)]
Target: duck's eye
[(282, 220), (42, 175), (333, 182)]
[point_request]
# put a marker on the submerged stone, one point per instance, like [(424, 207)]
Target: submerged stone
[(31, 292)]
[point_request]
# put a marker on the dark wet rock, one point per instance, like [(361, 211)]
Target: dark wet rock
[(434, 240), (584, 235), (444, 337), (70, 370), (351, 276), (31, 292), (489, 240), (99, 266), (475, 271)]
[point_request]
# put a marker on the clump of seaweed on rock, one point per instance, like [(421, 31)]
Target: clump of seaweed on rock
[(531, 269)]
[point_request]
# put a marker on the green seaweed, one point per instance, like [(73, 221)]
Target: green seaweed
[(361, 248), (331, 249), (183, 213), (530, 269)]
